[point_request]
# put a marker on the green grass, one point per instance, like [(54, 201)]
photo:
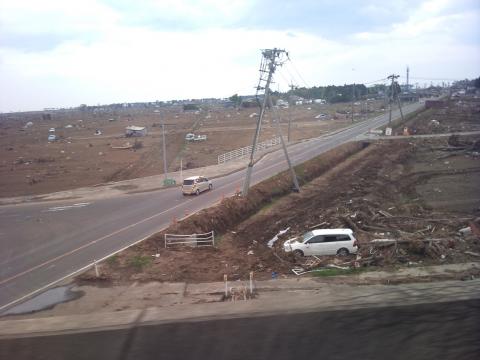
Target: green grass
[(112, 260), (139, 262), (335, 272)]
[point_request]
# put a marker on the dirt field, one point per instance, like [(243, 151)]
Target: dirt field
[(419, 192), (31, 165)]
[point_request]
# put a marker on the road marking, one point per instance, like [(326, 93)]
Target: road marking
[(89, 244), (114, 233), (66, 207)]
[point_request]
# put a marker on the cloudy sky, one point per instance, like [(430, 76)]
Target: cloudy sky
[(62, 53)]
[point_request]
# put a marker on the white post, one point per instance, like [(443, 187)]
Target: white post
[(213, 238), (97, 274)]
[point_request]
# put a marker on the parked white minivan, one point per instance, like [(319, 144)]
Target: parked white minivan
[(323, 242), (196, 185)]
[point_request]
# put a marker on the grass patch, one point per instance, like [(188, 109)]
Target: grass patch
[(112, 260), (265, 209), (335, 272), (139, 262)]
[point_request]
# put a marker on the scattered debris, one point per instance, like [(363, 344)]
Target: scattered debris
[(465, 231), (275, 238), (472, 253)]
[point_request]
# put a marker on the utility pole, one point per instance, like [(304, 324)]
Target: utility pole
[(296, 187), (393, 95), (164, 147), (292, 87), (408, 76), (271, 58), (353, 98)]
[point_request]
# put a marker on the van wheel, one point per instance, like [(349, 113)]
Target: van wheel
[(342, 252), (298, 253), (197, 192)]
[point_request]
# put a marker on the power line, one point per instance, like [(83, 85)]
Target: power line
[(375, 81), (433, 79), (298, 73)]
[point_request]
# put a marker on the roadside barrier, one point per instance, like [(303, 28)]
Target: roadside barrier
[(207, 239), (245, 151)]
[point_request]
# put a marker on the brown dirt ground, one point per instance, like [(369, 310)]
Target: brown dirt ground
[(30, 165), (425, 189)]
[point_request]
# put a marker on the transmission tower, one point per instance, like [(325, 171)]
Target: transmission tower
[(271, 58), (394, 95)]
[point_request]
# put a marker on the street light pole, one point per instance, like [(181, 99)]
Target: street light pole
[(164, 153), (164, 147)]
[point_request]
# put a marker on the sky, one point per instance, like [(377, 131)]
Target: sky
[(62, 53)]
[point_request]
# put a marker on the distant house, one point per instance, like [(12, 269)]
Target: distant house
[(131, 131)]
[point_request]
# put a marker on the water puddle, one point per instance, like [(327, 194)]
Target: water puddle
[(46, 300)]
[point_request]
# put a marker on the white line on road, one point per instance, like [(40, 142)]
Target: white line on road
[(66, 207)]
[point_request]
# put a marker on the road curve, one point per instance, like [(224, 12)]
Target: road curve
[(46, 242)]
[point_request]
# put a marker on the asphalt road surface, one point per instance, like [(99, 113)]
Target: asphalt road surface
[(45, 242), (449, 330)]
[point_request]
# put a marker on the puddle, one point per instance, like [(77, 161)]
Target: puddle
[(45, 300)]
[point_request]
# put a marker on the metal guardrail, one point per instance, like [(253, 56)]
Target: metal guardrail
[(207, 239), (245, 151)]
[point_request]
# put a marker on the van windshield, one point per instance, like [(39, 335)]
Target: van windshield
[(188, 182), (307, 236)]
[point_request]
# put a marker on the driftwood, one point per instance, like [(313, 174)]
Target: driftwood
[(388, 242)]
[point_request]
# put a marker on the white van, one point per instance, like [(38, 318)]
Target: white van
[(323, 242), (196, 185)]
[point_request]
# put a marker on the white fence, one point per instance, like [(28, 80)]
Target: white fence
[(207, 239), (245, 151)]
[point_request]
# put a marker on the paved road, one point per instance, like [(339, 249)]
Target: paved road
[(449, 330), (45, 242)]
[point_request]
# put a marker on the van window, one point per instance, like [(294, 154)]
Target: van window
[(330, 238), (187, 182), (343, 238), (316, 239)]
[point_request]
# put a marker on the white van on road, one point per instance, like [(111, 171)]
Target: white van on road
[(323, 242)]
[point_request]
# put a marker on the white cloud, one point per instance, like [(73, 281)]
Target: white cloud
[(143, 63)]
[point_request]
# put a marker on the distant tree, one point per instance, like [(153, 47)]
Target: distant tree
[(236, 99), (476, 82)]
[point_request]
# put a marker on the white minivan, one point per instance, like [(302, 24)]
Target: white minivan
[(323, 242), (196, 185)]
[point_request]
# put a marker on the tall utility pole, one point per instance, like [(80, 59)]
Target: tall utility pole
[(292, 87), (393, 95), (164, 153), (271, 58), (353, 98), (164, 146), (408, 75)]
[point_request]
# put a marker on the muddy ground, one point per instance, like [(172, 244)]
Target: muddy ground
[(31, 165), (408, 190)]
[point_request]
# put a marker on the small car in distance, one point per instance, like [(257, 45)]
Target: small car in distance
[(323, 242), (196, 185), (52, 137)]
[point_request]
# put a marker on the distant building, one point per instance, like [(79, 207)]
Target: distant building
[(131, 131)]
